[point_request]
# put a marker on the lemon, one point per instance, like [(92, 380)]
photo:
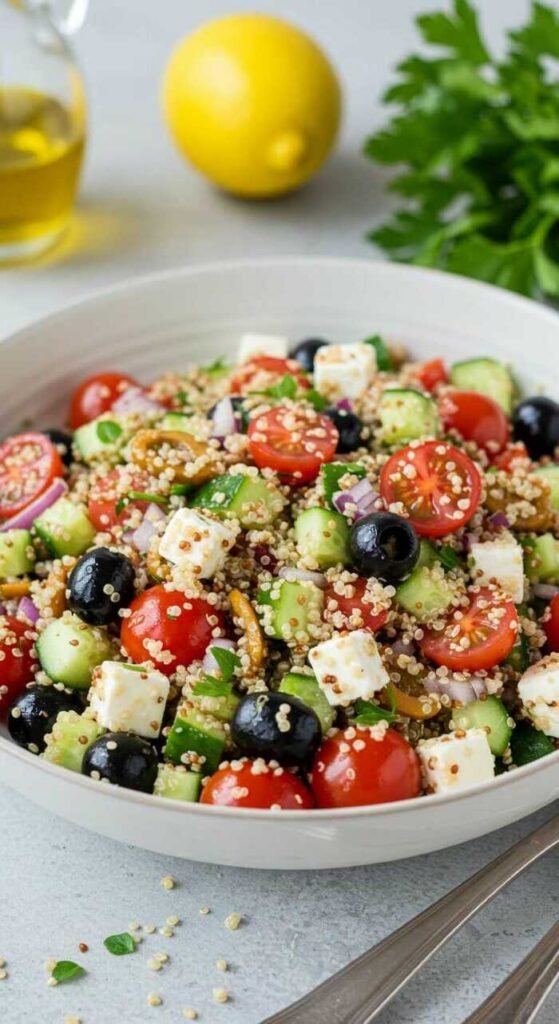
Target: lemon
[(253, 103)]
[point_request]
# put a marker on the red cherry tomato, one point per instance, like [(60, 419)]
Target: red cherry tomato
[(514, 455), (270, 369), (478, 637), (241, 787), (353, 769), (551, 626), (17, 659), (108, 494), (476, 418), (431, 374), (352, 610), (169, 629), (293, 441), (28, 464), (437, 485), (96, 395)]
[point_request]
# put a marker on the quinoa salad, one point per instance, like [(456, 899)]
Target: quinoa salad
[(325, 576)]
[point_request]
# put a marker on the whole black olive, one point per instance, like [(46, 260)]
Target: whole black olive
[(383, 545), (62, 442), (276, 726), (305, 351), (100, 584), (123, 759), (34, 713), (536, 422), (349, 427)]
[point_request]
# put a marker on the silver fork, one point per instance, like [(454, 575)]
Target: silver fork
[(357, 993)]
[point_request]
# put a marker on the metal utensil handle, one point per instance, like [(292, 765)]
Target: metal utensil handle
[(359, 991), (519, 998)]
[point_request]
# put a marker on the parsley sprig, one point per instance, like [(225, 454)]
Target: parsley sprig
[(288, 387), (476, 143), (210, 686), (369, 713)]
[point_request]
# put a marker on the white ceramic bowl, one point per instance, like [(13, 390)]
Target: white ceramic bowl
[(174, 319)]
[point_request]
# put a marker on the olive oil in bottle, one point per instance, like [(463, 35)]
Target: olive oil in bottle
[(41, 150)]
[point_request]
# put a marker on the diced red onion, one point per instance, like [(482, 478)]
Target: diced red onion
[(462, 690), (345, 405), (467, 541), (264, 556), (546, 591), (28, 609), (25, 519), (361, 495), (294, 575), (209, 664), (224, 420), (134, 399), (3, 609), (140, 538), (499, 519)]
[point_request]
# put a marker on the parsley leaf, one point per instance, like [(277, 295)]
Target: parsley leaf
[(227, 661), (369, 713), (384, 359), (285, 388), (458, 32), (67, 970), (108, 431), (447, 557), (120, 945), (210, 687), (313, 396), (157, 499), (217, 368)]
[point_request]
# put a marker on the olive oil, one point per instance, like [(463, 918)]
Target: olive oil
[(41, 151)]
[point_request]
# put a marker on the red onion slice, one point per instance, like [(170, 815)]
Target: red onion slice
[(28, 609), (344, 405), (224, 421), (140, 538), (134, 399), (546, 591), (25, 519), (362, 495), (499, 519), (209, 664), (294, 575), (462, 690)]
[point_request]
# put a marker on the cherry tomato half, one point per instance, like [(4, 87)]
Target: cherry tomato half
[(169, 629), (241, 787), (107, 507), (431, 374), (551, 626), (477, 637), (352, 610), (438, 486), (293, 441), (476, 418), (28, 464), (514, 455), (95, 395), (353, 769), (17, 661), (269, 370)]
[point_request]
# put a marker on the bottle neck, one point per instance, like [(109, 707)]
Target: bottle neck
[(66, 16)]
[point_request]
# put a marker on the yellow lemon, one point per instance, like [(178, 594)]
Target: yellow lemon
[(253, 102)]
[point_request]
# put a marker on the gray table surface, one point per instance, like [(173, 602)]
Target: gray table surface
[(141, 209)]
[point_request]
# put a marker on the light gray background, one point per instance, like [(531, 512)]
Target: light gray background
[(142, 209)]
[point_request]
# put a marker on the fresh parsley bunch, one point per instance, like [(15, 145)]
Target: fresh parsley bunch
[(477, 143)]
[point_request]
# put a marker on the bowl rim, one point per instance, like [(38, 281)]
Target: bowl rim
[(462, 285)]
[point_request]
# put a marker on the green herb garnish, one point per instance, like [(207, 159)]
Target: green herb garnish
[(158, 499), (384, 359), (475, 139), (209, 687), (178, 490), (66, 970), (447, 557), (369, 713), (287, 387), (315, 398), (108, 431), (120, 945), (121, 505), (227, 661), (215, 369)]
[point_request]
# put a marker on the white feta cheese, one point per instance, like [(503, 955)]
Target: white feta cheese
[(456, 761), (501, 560), (344, 371), (198, 542), (539, 692), (262, 345), (127, 697), (349, 667)]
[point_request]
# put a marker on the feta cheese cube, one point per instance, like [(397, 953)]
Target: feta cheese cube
[(456, 761), (344, 371), (198, 542), (127, 697), (539, 692), (349, 667), (501, 560), (262, 345)]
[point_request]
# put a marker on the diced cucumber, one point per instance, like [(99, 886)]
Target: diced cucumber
[(551, 474), (406, 415), (426, 594), (177, 421), (293, 607), (332, 472), (308, 691), (101, 438), (487, 377), (196, 738), (17, 556), (428, 554), (323, 536), (541, 558), (69, 651), (383, 354), (175, 782), (65, 528), (253, 500), (489, 714), (71, 736), (222, 708), (529, 744)]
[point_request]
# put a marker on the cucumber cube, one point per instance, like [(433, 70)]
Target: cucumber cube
[(71, 736), (406, 415), (332, 472), (17, 556), (69, 651), (322, 535), (65, 529), (551, 474), (308, 691), (487, 377), (196, 738), (489, 714), (291, 609), (175, 782), (426, 594), (254, 501)]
